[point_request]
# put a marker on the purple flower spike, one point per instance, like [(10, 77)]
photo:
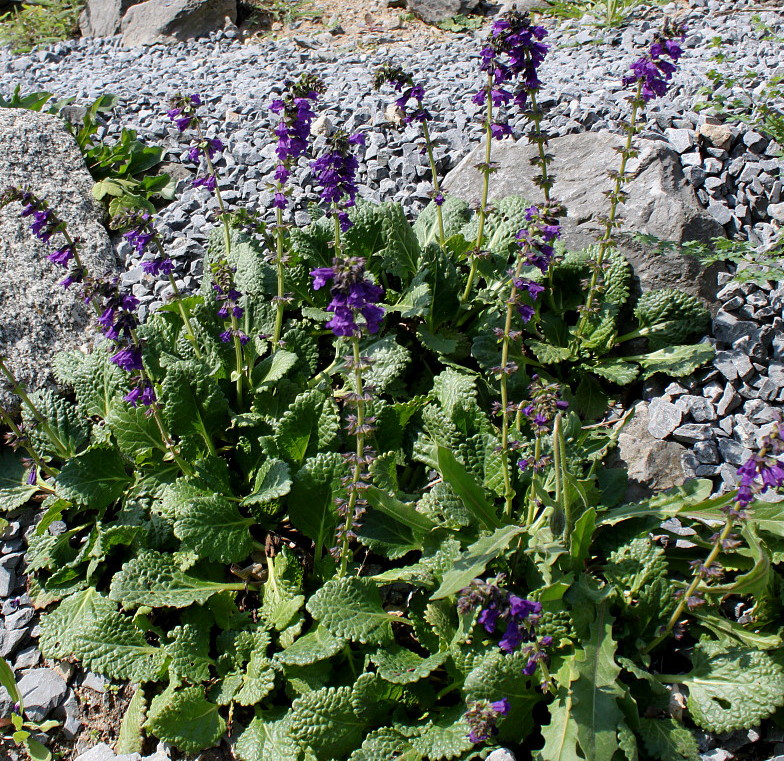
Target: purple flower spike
[(128, 359), (652, 71)]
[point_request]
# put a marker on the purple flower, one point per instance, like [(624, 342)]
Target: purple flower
[(32, 476), (512, 637), (128, 359), (208, 182), (225, 336), (501, 707), (652, 72), (526, 312), (335, 172), (482, 717), (352, 296), (487, 618), (62, 255)]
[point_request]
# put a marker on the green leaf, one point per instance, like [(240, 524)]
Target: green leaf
[(187, 720), (445, 738), (212, 527), (136, 433), (475, 559), (616, 371), (385, 744), (112, 645), (389, 362), (307, 427), (325, 721), (68, 426), (282, 597), (402, 512), (95, 379), (154, 579), (675, 361), (732, 687), (350, 608), (663, 505), (14, 489), (95, 478), (591, 400), (59, 627), (548, 354), (272, 368), (267, 738), (454, 214), (257, 680), (190, 650), (596, 690), (467, 489), (37, 750), (272, 482), (318, 645), (131, 738), (723, 627), (667, 740), (8, 681), (560, 734), (402, 666), (310, 504)]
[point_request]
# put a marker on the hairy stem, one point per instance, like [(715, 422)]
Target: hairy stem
[(279, 304), (356, 474), (607, 236), (436, 184), (482, 212), (25, 443)]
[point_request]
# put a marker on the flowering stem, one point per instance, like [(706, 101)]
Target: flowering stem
[(36, 413), (184, 312), (695, 582), (609, 224), (78, 260), (24, 442), (534, 478), (356, 475), (482, 211), (281, 283), (436, 183)]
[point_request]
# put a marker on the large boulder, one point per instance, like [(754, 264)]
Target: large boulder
[(175, 20), (436, 11), (38, 317), (101, 18), (660, 202)]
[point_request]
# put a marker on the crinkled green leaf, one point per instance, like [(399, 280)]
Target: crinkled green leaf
[(131, 736), (445, 738), (187, 720), (732, 687), (272, 482), (311, 504), (155, 579), (402, 666), (465, 486), (350, 607), (267, 738), (212, 527), (190, 652), (548, 354), (95, 478), (112, 645), (385, 744), (317, 645), (389, 361), (667, 740), (273, 368), (454, 215), (675, 361), (14, 489), (59, 627), (70, 426), (308, 427), (616, 371), (135, 431), (95, 379)]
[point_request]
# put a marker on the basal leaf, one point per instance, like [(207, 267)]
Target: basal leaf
[(548, 354), (402, 512), (325, 722), (384, 744), (212, 527), (272, 482), (307, 427), (445, 738), (732, 687), (131, 737), (311, 505), (475, 559), (402, 666), (156, 580), (350, 608), (667, 740), (14, 489), (136, 433), (112, 645), (267, 738), (616, 371), (95, 379), (95, 478), (272, 368), (187, 720), (60, 626), (318, 645), (675, 361), (190, 652)]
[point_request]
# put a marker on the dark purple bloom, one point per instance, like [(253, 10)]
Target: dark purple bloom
[(208, 182), (501, 706), (335, 172), (526, 312), (32, 476), (62, 255), (321, 276), (482, 717), (226, 336), (512, 637), (652, 72), (128, 359), (487, 618)]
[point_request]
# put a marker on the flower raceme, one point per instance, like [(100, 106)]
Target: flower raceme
[(652, 70), (409, 90), (353, 296), (335, 171)]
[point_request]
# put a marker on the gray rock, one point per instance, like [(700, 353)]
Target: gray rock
[(706, 452), (174, 20), (37, 316), (41, 690), (19, 619), (663, 418), (101, 752), (652, 465), (700, 409), (69, 715), (7, 581), (681, 140), (101, 18), (733, 452), (727, 328), (660, 202), (95, 682), (27, 658), (692, 432), (501, 754), (434, 11), (10, 639), (776, 211)]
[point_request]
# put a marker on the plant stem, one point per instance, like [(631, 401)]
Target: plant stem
[(78, 260), (609, 224), (534, 478), (279, 305), (186, 317), (34, 411), (24, 442), (695, 582), (356, 475), (436, 184), (482, 211)]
